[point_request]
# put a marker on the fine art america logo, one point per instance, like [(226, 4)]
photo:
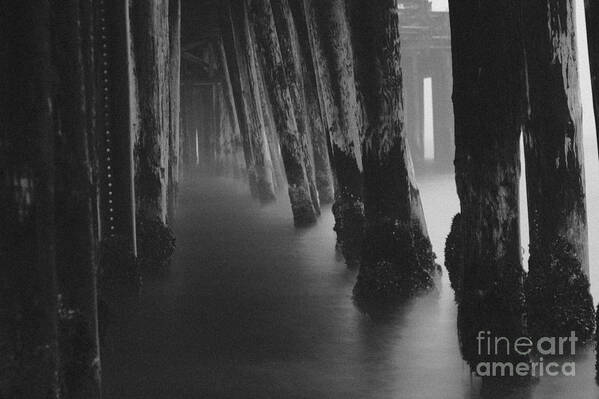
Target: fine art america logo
[(490, 347)]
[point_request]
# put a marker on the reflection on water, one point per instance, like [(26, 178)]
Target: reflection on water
[(254, 308)]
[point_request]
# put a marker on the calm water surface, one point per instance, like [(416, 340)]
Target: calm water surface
[(254, 308)]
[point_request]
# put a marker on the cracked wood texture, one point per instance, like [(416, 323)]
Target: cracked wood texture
[(487, 92), (397, 258), (293, 65), (300, 184), (328, 35), (150, 31), (319, 133), (174, 138), (555, 174), (243, 76)]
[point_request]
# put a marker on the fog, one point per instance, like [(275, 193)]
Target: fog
[(256, 308)]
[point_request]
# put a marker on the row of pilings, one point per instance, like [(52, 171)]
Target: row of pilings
[(303, 77), (515, 73), (311, 96), (89, 124)]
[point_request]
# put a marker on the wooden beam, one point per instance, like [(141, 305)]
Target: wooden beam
[(484, 253)]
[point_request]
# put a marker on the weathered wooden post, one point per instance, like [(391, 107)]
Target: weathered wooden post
[(397, 257), (332, 56), (242, 72), (28, 290), (150, 37), (198, 113), (557, 287), (151, 40), (274, 144), (293, 63), (116, 121), (232, 113), (213, 133), (299, 177), (232, 76), (222, 132), (76, 255), (187, 129), (174, 98), (485, 240), (319, 132)]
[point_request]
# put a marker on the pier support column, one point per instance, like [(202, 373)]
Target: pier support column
[(485, 265), (558, 295)]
